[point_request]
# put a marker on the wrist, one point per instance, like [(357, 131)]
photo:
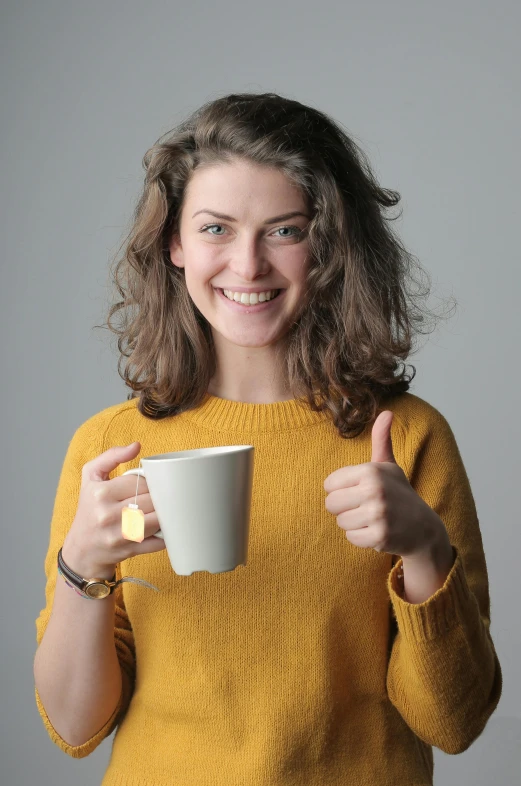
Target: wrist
[(426, 571), (80, 563), (437, 552)]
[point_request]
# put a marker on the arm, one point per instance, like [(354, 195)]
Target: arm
[(444, 676), (85, 663), (76, 669)]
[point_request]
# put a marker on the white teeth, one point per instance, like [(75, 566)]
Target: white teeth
[(250, 299)]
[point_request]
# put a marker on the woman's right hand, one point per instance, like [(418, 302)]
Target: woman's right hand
[(94, 544)]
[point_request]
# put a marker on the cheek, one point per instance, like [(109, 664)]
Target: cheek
[(296, 266), (201, 269)]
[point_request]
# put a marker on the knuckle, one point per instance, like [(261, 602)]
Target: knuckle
[(373, 479), (378, 510), (109, 539), (372, 472), (379, 494), (374, 494), (99, 492), (104, 517)]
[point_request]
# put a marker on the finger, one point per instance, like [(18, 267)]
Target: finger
[(118, 490), (363, 538), (382, 445), (143, 501), (151, 524), (344, 477), (344, 499), (149, 545), (352, 520), (124, 487), (101, 466)]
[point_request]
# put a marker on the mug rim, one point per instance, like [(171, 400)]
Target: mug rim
[(180, 455)]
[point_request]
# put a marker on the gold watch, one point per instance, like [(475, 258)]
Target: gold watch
[(96, 588)]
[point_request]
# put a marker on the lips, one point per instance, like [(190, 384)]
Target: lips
[(246, 308), (249, 291), (252, 292)]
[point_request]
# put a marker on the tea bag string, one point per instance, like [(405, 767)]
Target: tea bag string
[(134, 504)]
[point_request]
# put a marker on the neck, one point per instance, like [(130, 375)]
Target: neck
[(252, 375), (247, 394)]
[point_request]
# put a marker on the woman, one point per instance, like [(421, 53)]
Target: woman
[(358, 635)]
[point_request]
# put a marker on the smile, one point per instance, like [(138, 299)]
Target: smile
[(249, 308), (251, 298)]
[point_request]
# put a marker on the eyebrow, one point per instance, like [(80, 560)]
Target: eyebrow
[(274, 220)]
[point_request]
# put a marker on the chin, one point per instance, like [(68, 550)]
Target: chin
[(248, 341), (251, 343)]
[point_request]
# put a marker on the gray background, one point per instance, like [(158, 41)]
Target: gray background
[(432, 93)]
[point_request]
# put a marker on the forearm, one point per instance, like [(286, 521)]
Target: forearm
[(76, 668), (443, 675), (426, 573)]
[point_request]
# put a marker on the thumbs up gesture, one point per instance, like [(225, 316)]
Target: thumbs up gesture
[(377, 506)]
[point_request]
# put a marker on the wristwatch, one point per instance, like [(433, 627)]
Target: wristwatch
[(96, 588)]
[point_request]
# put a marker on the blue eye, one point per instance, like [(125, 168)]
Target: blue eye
[(210, 226), (297, 230)]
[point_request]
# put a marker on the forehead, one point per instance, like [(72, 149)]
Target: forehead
[(238, 181)]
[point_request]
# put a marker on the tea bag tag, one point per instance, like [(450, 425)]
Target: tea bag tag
[(133, 520)]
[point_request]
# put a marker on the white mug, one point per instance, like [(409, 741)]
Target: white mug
[(202, 499)]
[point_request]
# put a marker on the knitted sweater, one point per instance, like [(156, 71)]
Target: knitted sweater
[(306, 666)]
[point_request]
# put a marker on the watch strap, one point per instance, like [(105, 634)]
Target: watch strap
[(80, 583)]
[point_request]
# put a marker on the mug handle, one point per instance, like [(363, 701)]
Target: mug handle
[(139, 471)]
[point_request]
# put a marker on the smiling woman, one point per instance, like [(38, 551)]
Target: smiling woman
[(358, 634)]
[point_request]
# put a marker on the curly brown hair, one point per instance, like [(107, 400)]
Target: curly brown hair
[(343, 352)]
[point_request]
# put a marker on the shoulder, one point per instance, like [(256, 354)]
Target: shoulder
[(415, 415), (419, 429), (96, 428)]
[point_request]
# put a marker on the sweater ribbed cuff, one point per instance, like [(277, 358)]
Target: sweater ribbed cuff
[(444, 610)]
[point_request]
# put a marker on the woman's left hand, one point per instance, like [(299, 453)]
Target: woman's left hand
[(377, 506)]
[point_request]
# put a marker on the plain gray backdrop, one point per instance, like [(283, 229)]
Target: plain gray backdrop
[(432, 93)]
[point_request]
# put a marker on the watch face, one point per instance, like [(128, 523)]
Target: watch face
[(97, 590)]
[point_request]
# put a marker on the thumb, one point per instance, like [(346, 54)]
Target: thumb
[(100, 466), (382, 446)]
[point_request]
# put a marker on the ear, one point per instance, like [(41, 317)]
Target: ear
[(176, 251)]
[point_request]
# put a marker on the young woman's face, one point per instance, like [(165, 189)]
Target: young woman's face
[(252, 246)]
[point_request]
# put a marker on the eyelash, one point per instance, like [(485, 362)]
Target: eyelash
[(298, 230)]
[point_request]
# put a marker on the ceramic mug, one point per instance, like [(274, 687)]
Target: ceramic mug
[(202, 499)]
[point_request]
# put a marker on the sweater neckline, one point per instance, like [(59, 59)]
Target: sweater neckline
[(226, 415)]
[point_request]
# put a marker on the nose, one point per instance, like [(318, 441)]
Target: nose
[(248, 259)]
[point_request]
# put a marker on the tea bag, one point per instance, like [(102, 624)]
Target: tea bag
[(133, 523), (133, 520)]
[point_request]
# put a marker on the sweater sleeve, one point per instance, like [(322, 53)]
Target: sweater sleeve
[(444, 675), (87, 442)]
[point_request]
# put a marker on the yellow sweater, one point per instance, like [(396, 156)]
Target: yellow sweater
[(306, 666)]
